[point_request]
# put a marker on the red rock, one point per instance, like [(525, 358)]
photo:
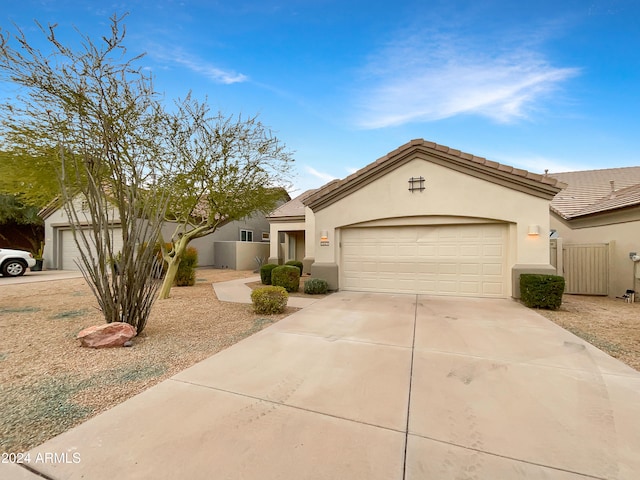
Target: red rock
[(114, 334)]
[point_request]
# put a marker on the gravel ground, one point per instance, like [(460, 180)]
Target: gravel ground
[(610, 324), (49, 384)]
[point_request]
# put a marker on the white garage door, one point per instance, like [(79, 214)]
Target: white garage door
[(69, 252), (459, 260)]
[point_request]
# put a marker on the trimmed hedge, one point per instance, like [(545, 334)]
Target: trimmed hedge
[(541, 291), (269, 300), (286, 276), (316, 286), (265, 273), (296, 263), (186, 274)]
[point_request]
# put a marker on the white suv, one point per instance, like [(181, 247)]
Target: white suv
[(14, 263)]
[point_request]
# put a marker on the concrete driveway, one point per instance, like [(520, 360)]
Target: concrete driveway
[(371, 386), (43, 276)]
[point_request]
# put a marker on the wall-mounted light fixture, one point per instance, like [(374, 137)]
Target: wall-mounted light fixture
[(534, 230), (324, 238)]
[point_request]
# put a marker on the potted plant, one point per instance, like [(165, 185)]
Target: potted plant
[(39, 259)]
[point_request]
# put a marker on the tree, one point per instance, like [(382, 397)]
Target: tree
[(96, 114), (224, 169), (20, 225), (28, 177)]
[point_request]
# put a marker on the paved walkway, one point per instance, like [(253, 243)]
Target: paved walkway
[(237, 291), (374, 387)]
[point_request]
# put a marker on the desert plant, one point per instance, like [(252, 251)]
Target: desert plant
[(265, 273), (186, 275), (157, 251), (286, 276), (316, 286), (541, 291), (296, 263), (269, 300), (90, 112)]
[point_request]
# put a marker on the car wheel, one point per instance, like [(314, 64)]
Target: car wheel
[(13, 268)]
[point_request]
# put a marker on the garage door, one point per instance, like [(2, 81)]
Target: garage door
[(69, 252), (459, 260)]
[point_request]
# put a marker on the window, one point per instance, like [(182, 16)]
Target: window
[(246, 235), (265, 236)]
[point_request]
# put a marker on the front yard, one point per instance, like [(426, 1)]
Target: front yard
[(607, 323), (48, 383)]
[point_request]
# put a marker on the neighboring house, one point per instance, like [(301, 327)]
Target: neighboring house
[(597, 220), (234, 245), (423, 219)]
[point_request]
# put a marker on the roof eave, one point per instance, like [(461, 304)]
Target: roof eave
[(533, 184), (287, 219)]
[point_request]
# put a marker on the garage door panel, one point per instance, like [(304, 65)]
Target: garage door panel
[(470, 269), (407, 250), (490, 269), (448, 251), (429, 268), (469, 288), (448, 268), (70, 253), (492, 289), (447, 287), (445, 260), (427, 251), (492, 251)]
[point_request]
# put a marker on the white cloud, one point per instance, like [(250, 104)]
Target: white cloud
[(179, 57), (538, 164), (426, 79), (325, 177)]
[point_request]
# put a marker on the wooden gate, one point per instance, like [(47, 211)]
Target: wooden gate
[(586, 268)]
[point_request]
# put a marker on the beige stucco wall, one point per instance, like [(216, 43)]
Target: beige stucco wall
[(310, 231), (621, 230), (449, 197), (284, 226), (246, 253)]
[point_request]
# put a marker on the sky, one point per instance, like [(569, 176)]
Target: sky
[(539, 85)]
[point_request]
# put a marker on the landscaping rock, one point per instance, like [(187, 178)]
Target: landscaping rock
[(114, 334)]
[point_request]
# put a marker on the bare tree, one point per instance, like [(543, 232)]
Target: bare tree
[(223, 169), (100, 114)]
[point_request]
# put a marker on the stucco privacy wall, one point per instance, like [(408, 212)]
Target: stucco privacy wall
[(449, 197), (621, 230)]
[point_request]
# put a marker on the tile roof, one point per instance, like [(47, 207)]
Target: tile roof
[(596, 191), (293, 208), (543, 185)]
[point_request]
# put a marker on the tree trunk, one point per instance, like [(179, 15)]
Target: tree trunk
[(167, 283), (173, 262)]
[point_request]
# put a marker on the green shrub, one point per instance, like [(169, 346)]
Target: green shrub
[(316, 286), (265, 273), (541, 291), (269, 300), (186, 275), (296, 263), (286, 276)]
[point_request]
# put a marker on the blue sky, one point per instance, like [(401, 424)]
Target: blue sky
[(533, 84)]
